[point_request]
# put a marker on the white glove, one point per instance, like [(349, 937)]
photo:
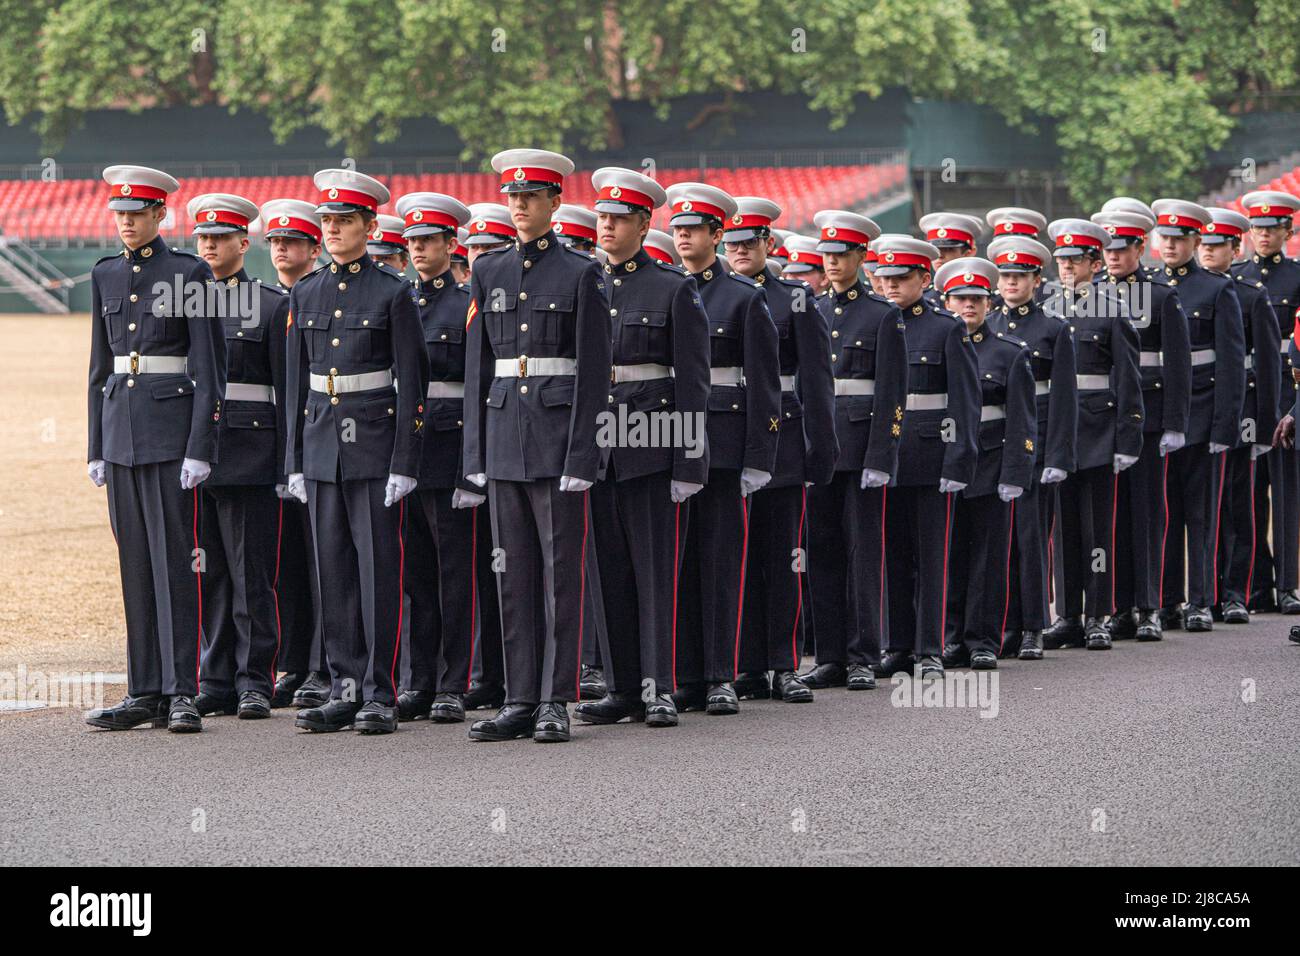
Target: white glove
[(751, 480), (298, 486), (194, 472), (1171, 441), (460, 498), (1051, 476), (1009, 492), (1123, 461), (398, 487), (282, 491), (873, 479), (478, 478), (568, 483), (96, 472), (1257, 450), (681, 490), (950, 487), (1217, 449)]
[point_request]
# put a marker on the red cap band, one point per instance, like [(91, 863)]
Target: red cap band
[(1173, 219), (392, 238), (224, 216), (349, 196), (1221, 229), (623, 194), (903, 259), (943, 232), (1070, 239), (1269, 209), (739, 221), (1018, 258), (519, 174), (841, 234), (1136, 232), (966, 278), (575, 230), (814, 258), (695, 205), (430, 217), (1009, 228), (480, 226), (656, 253), (871, 256), (132, 191), (290, 222)]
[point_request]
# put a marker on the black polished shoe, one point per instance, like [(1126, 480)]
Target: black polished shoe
[(895, 662), (254, 705), (216, 705), (484, 697), (1063, 632), (661, 712), (931, 667), (314, 692), (1031, 646), (1096, 637), (285, 687), (753, 685), (984, 661), (826, 675), (1171, 618), (183, 717), (1122, 626), (375, 718), (447, 708), (610, 709), (1288, 602), (414, 704), (720, 699), (859, 677), (690, 697), (955, 654), (1010, 644), (591, 683), (131, 712), (329, 718), (1294, 635), (1148, 626), (790, 687), (1234, 612), (1263, 601), (1197, 619), (511, 722), (551, 724)]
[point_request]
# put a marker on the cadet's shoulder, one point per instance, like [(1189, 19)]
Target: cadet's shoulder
[(311, 278), (1010, 343), (1249, 286), (107, 261), (271, 290), (392, 275), (185, 253), (586, 258), (745, 281)]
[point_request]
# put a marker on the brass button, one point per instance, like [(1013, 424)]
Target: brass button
[(365, 321), (130, 383), (835, 334), (338, 313), (334, 399), (390, 411), (858, 342), (838, 310), (618, 282), (543, 243), (735, 408), (239, 335), (613, 311), (552, 305), (443, 336), (334, 371), (645, 319), (254, 423), (834, 356), (424, 302), (523, 389), (1011, 325), (134, 297), (437, 283), (135, 268), (131, 327), (311, 321), (663, 401), (528, 263), (924, 359), (334, 342), (342, 286), (719, 330), (523, 296), (523, 327)]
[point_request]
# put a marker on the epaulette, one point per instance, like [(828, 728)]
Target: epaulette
[(385, 269), (744, 280), (186, 252), (588, 256), (1011, 340)]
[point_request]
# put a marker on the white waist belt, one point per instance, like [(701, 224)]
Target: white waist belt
[(1043, 387), (1150, 359), (731, 375), (1203, 357), (1092, 383), (855, 386), (137, 364), (787, 383), (446, 390), (524, 367), (361, 382), (249, 392), (992, 413), (1250, 360), (646, 372), (927, 403)]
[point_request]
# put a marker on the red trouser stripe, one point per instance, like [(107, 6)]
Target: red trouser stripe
[(740, 601), (677, 557), (1114, 516), (798, 605), (943, 591), (1218, 517), (275, 590), (401, 570), (582, 588), (473, 591), (1164, 538), (198, 584), (1006, 601), (1250, 573)]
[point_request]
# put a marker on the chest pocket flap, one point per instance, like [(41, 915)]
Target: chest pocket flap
[(925, 356), (365, 320), (453, 334)]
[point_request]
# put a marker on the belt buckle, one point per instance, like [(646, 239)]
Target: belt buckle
[(523, 366), (613, 380), (329, 383), (135, 363)]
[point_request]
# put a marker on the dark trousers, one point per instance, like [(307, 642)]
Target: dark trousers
[(1277, 489), (156, 526), (1087, 528), (1195, 477), (542, 536), (1236, 551), (979, 582), (769, 633), (713, 579), (1141, 526), (302, 642), (441, 579), (1030, 550), (239, 530), (640, 537), (360, 561), (594, 635), (487, 666), (846, 557), (918, 528)]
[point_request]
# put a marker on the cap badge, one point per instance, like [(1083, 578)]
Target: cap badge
[(333, 193), (737, 219), (968, 277), (211, 215), (1264, 208), (889, 257), (418, 215), (941, 232), (830, 232), (1068, 239), (615, 192), (284, 220), (480, 225), (1209, 227), (1006, 227), (519, 174), (686, 206), (125, 190), (377, 234), (1011, 256), (794, 257), (1111, 230), (1172, 217)]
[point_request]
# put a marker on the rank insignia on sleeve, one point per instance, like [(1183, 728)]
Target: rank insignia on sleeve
[(288, 322), (895, 430), (1029, 444), (473, 311), (417, 425), (773, 424), (898, 413)]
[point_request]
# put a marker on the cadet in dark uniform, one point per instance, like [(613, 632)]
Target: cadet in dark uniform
[(387, 244), (743, 427), (460, 256), (1020, 260), (1220, 240), (157, 377), (354, 452), (1271, 215), (771, 637), (1165, 364), (660, 374), (1109, 434), (954, 235), (659, 246), (936, 459), (1008, 221), (845, 518), (536, 378), (293, 233), (1218, 345), (240, 516), (448, 551), (805, 263), (984, 512)]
